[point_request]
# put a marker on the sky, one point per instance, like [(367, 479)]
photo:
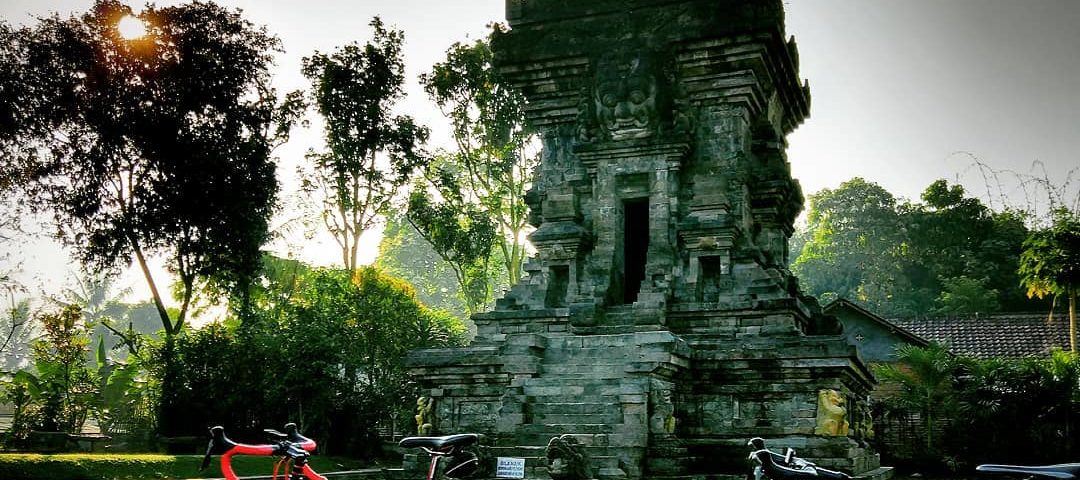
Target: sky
[(904, 91)]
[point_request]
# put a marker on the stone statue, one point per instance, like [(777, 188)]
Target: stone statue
[(661, 408), (567, 460), (831, 414), (626, 97), (864, 424), (425, 415)]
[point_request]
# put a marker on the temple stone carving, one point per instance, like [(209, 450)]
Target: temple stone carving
[(657, 324)]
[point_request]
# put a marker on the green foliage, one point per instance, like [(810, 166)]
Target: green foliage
[(371, 153), (128, 397), (67, 387), (62, 389), (21, 391), (925, 376), (60, 393), (105, 313), (159, 145), (211, 386), (17, 332), (947, 254), (326, 349), (474, 197), (854, 247), (1050, 262), (966, 295), (463, 236), (988, 410), (403, 253), (140, 467), (1041, 395)]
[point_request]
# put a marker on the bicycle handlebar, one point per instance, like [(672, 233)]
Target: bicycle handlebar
[(295, 447)]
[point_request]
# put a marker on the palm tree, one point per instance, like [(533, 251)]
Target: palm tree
[(102, 306), (17, 332), (1050, 264), (926, 381)]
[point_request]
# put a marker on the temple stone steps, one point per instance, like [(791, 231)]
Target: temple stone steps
[(583, 398), (568, 393), (560, 390), (584, 370), (607, 416), (555, 429), (721, 476), (600, 457), (572, 408), (880, 473)]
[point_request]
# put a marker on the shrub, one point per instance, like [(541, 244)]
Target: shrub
[(330, 358), (989, 410)]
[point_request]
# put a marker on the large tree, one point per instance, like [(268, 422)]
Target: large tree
[(405, 254), (948, 253), (959, 247), (853, 245), (371, 153), (483, 180), (1050, 263), (158, 145)]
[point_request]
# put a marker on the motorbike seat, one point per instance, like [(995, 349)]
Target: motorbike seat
[(1064, 471), (440, 443)]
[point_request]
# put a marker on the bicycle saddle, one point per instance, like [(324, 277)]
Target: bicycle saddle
[(1065, 471), (440, 443)]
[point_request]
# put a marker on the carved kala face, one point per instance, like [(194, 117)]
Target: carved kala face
[(626, 100)]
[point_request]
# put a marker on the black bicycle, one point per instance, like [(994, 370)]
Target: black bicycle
[(461, 463)]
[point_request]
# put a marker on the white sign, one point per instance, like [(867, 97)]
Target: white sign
[(510, 468)]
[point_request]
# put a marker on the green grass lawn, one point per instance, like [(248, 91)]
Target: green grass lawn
[(143, 467)]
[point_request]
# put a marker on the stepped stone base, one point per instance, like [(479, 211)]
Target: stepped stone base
[(644, 404), (880, 473)]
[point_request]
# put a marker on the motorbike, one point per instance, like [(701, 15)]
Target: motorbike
[(770, 465), (1063, 471)]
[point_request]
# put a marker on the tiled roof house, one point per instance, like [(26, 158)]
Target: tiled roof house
[(1008, 335)]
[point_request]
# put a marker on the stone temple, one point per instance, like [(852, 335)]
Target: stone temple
[(658, 322)]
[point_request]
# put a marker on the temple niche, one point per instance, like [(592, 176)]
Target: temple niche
[(657, 323)]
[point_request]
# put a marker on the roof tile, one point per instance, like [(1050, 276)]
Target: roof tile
[(993, 335)]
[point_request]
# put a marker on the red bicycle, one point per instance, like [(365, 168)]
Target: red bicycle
[(293, 449)]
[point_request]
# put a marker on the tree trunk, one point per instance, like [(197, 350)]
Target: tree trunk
[(166, 322), (1072, 320)]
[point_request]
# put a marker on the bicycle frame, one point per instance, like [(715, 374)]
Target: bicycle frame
[(294, 451)]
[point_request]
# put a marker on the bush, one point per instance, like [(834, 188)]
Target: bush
[(330, 357), (1018, 411), (987, 410)]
